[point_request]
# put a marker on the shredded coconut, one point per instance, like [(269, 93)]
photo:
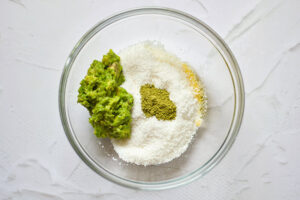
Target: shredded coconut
[(155, 141)]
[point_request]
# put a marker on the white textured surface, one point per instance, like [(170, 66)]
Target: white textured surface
[(36, 160)]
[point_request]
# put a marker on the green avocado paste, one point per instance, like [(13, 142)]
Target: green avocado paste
[(109, 104), (156, 102)]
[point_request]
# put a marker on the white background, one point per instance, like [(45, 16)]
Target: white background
[(37, 161)]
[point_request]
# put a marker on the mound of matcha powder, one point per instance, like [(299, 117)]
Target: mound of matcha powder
[(156, 102)]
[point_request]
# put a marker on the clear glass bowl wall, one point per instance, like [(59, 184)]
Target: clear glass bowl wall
[(192, 41)]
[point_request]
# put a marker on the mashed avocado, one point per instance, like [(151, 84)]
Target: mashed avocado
[(108, 103)]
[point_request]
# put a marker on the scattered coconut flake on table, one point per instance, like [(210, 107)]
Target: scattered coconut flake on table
[(156, 141)]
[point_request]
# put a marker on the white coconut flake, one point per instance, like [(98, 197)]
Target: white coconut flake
[(154, 141)]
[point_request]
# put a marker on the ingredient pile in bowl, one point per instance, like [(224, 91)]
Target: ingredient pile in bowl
[(147, 101), (108, 103)]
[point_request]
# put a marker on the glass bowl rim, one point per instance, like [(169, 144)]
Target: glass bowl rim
[(239, 101)]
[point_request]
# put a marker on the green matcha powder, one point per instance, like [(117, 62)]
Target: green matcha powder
[(156, 102)]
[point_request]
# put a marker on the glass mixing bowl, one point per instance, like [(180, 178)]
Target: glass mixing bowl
[(193, 42)]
